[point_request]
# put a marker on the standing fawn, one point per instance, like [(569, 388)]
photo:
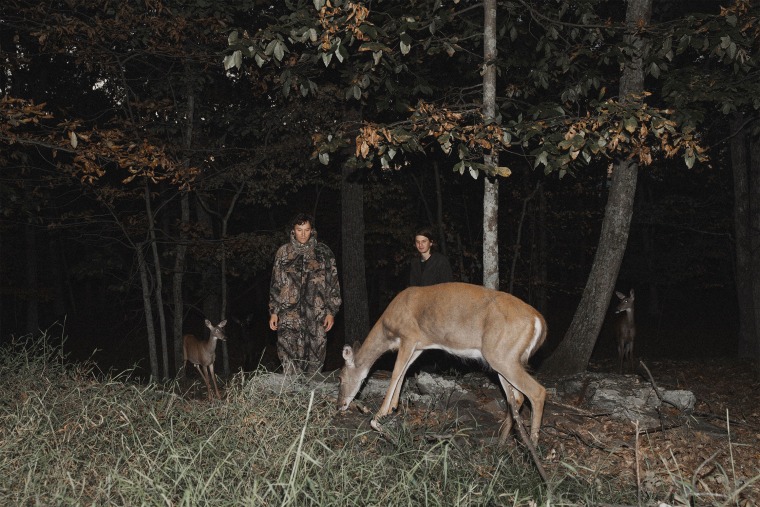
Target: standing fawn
[(202, 354), (625, 329), (466, 320)]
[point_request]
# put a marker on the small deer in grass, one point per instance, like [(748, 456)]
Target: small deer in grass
[(202, 354), (625, 329), (465, 320)]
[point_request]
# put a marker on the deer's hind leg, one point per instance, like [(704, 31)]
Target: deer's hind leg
[(517, 379), (202, 371), (506, 426)]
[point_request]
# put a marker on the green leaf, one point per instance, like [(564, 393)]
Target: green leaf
[(324, 158), (232, 38), (630, 124), (233, 60), (326, 58), (279, 51), (473, 172), (405, 43), (689, 158), (259, 60), (542, 158), (318, 4)]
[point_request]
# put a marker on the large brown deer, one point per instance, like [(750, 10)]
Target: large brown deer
[(202, 354), (466, 320), (625, 329)]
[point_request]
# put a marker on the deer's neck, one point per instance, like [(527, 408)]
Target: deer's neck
[(627, 316), (373, 347)]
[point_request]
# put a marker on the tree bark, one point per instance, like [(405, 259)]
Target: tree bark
[(573, 354), (180, 259), (754, 213), (180, 263), (355, 298), (439, 209), (159, 288), (148, 307), (491, 187), (742, 234), (32, 280)]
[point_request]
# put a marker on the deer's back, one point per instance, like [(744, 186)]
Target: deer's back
[(466, 316)]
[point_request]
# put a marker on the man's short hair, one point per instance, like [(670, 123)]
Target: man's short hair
[(427, 232), (301, 219)]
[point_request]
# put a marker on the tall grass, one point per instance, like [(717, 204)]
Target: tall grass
[(69, 436)]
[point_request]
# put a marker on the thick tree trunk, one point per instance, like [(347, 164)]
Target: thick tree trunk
[(742, 233), (355, 299), (754, 213), (491, 188), (574, 351)]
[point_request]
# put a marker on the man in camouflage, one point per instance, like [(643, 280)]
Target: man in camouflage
[(304, 297)]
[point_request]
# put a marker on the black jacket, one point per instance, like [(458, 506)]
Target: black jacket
[(430, 272)]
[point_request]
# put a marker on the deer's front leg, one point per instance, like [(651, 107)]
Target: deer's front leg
[(406, 355)]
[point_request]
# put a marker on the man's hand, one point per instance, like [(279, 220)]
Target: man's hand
[(329, 321), (273, 320)]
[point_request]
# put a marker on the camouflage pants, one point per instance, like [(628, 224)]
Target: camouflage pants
[(301, 348)]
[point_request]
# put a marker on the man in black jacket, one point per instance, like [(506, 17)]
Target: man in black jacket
[(431, 267)]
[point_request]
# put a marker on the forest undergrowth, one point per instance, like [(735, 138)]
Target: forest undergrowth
[(72, 435)]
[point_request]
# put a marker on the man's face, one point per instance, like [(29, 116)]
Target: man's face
[(423, 244), (302, 232)]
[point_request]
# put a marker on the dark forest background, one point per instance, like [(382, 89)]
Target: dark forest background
[(152, 154)]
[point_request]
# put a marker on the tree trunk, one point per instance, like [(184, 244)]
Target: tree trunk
[(210, 283), (32, 280), (355, 299), (742, 233), (159, 294), (538, 262), (491, 187), (575, 350), (180, 259), (754, 213), (223, 276), (180, 263), (148, 307), (439, 209)]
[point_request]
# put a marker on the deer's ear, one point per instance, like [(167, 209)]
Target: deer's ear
[(348, 355), (631, 293), (222, 323), (208, 324), (620, 295)]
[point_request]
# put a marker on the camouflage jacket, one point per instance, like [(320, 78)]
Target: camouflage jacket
[(305, 280)]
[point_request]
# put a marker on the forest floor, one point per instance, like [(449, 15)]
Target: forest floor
[(710, 456)]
